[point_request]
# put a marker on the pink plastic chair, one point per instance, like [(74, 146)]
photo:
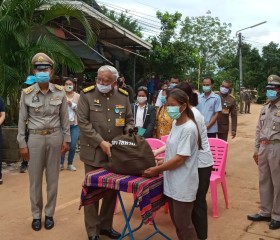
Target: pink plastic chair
[(164, 138), (219, 149), (156, 144)]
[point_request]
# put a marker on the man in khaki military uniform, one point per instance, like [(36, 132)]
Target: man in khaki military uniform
[(44, 105), (103, 113), (267, 156), (228, 108), (241, 99)]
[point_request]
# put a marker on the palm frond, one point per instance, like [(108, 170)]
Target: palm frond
[(60, 52), (69, 11)]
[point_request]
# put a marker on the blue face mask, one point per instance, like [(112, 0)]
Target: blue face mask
[(163, 99), (42, 77), (206, 88), (271, 95), (173, 112), (172, 85)]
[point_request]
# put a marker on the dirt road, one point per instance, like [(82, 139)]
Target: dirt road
[(242, 181)]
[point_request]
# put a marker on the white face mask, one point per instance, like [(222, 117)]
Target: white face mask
[(141, 99), (69, 88), (103, 88)]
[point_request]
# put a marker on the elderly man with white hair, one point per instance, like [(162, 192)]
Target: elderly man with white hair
[(103, 113)]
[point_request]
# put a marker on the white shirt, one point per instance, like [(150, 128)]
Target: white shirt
[(205, 158), (158, 102), (139, 121), (181, 183)]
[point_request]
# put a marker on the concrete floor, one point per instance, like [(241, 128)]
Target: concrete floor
[(242, 181)]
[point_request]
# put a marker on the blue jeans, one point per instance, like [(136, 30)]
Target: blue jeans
[(74, 133)]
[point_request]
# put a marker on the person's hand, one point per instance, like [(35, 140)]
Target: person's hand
[(151, 172), (24, 153), (64, 148), (106, 148), (233, 134), (256, 158)]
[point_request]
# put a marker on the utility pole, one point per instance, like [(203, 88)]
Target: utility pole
[(240, 61), (240, 52)]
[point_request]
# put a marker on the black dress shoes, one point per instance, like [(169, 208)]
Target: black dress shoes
[(257, 218), (36, 224), (49, 223), (111, 233), (94, 238), (274, 224)]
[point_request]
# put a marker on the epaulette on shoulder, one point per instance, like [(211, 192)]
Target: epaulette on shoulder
[(232, 96), (28, 90), (59, 87), (123, 91), (88, 89)]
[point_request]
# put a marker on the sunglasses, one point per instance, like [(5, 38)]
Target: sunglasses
[(142, 88)]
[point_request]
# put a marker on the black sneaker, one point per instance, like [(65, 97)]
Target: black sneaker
[(23, 167)]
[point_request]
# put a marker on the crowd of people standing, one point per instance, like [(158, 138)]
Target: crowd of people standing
[(52, 118)]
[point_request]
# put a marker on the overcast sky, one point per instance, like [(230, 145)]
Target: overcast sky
[(240, 13)]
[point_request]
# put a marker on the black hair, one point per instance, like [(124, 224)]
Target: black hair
[(181, 97), (186, 87), (211, 79), (69, 79), (227, 81)]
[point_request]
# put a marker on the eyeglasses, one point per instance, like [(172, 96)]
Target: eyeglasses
[(142, 88)]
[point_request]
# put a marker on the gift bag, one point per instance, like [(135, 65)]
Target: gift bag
[(131, 154)]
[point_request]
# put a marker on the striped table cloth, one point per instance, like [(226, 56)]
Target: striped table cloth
[(149, 191)]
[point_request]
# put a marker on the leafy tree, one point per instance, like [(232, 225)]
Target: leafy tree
[(271, 57), (170, 56), (210, 37), (26, 27)]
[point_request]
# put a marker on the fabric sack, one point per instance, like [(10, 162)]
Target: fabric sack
[(131, 154)]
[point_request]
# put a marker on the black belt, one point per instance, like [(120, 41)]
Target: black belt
[(43, 131)]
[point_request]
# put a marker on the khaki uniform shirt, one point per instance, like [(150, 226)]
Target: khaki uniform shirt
[(101, 117), (268, 126), (43, 111), (228, 108)]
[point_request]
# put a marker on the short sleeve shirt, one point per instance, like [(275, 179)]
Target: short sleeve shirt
[(208, 107), (205, 158), (181, 183)]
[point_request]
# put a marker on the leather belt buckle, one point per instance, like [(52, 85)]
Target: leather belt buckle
[(45, 132)]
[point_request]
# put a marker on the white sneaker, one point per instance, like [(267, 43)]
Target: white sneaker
[(71, 168), (61, 167)]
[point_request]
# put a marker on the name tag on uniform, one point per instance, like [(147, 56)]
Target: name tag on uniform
[(120, 122)]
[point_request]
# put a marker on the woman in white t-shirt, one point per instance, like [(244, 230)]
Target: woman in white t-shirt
[(180, 174), (205, 163)]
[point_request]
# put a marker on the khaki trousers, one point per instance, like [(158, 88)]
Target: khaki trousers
[(45, 154), (269, 180), (181, 216), (104, 220)]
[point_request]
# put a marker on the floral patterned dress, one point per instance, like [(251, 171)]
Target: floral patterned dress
[(163, 122)]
